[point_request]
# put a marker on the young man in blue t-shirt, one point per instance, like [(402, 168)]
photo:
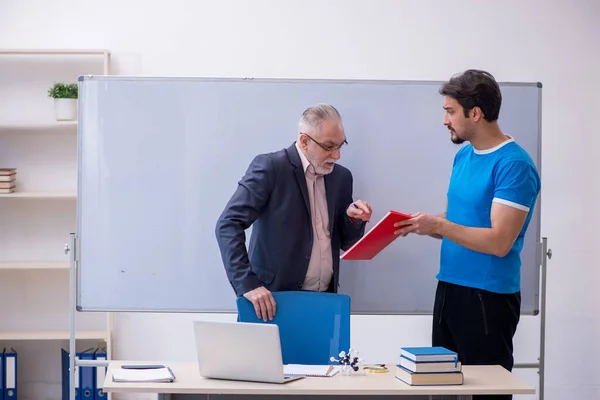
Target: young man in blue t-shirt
[(491, 196)]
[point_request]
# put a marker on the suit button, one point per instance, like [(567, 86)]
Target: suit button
[(307, 257), (299, 283)]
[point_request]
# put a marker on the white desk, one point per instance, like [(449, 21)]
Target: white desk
[(477, 380)]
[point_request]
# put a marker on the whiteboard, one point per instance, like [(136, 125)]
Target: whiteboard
[(159, 157)]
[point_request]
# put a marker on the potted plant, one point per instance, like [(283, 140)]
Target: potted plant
[(65, 100)]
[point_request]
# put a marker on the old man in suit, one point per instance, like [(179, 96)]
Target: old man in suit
[(300, 205)]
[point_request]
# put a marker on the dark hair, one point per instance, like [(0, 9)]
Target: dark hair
[(475, 88)]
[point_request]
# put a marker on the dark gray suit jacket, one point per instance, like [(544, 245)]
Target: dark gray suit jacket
[(273, 198)]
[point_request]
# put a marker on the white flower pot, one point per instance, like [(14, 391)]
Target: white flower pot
[(65, 109)]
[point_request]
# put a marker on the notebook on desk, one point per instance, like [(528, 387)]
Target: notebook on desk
[(324, 371), (156, 375)]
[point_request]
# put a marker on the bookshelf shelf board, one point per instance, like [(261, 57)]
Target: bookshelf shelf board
[(52, 335), (19, 127), (40, 195), (54, 51), (29, 265)]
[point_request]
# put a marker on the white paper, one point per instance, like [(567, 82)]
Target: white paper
[(309, 370), (142, 375)]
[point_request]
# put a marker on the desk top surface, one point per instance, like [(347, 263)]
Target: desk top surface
[(477, 380)]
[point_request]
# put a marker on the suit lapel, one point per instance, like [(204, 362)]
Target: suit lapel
[(330, 191), (303, 188), (299, 173)]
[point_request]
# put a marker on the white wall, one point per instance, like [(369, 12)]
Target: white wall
[(382, 40)]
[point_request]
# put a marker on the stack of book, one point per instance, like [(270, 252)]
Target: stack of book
[(429, 366), (8, 178)]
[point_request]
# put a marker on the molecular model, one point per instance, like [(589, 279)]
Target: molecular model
[(348, 360)]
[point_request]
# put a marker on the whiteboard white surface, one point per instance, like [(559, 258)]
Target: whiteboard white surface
[(159, 157)]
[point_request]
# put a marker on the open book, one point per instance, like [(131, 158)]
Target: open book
[(310, 370), (143, 375)]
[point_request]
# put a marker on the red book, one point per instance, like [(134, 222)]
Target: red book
[(378, 238)]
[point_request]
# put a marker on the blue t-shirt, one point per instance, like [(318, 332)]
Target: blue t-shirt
[(505, 174)]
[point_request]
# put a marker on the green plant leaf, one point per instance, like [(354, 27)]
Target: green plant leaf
[(61, 90)]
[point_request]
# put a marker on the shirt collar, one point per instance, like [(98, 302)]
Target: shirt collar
[(509, 139), (303, 158)]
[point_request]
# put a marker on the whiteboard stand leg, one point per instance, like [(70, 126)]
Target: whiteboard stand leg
[(74, 258), (109, 329), (70, 248), (546, 254)]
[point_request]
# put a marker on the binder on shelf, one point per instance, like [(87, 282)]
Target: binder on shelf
[(10, 374), (65, 376), (2, 377), (376, 239), (99, 394), (87, 376)]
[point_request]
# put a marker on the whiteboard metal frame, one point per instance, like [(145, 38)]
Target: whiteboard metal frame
[(537, 210)]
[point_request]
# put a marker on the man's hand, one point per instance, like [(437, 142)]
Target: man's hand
[(263, 302), (359, 210), (420, 223)]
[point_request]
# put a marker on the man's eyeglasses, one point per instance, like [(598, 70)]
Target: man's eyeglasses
[(327, 148)]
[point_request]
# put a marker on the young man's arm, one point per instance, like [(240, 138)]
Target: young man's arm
[(507, 222), (442, 216), (517, 186)]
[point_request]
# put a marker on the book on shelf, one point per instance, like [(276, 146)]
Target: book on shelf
[(429, 366), (7, 172), (8, 178)]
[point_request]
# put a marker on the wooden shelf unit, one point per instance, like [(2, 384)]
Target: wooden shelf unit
[(27, 134)]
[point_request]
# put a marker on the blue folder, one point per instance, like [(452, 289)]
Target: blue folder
[(99, 393), (65, 377), (9, 362), (87, 376), (2, 377)]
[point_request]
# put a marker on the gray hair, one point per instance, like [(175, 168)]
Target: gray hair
[(313, 117)]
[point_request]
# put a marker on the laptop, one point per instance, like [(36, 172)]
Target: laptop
[(241, 351)]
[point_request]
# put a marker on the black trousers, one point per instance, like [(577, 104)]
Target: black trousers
[(478, 325)]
